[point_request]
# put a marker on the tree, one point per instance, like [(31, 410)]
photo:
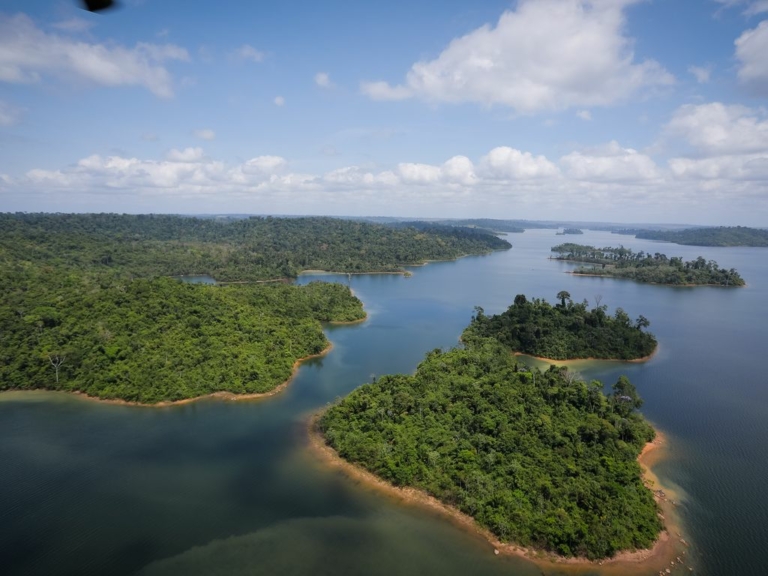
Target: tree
[(563, 296), (56, 361), (642, 322)]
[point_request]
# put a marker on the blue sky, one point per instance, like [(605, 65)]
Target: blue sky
[(614, 110)]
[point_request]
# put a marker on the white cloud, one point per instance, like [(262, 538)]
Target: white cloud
[(186, 155), (753, 7), (279, 101), (27, 53), (323, 80), (584, 115), (9, 114), (246, 52), (610, 163), (701, 73), (736, 167), (74, 25), (264, 165), (504, 163), (715, 129), (205, 134), (545, 55), (751, 50)]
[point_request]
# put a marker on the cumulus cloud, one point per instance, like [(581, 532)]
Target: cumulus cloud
[(205, 134), (279, 101), (544, 55), (610, 163), (751, 50), (504, 163), (9, 114), (323, 80), (28, 53), (701, 73), (718, 129), (247, 52), (186, 155), (751, 7)]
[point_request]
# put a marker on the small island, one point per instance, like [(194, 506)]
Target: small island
[(567, 231), (645, 267), (540, 460), (565, 331)]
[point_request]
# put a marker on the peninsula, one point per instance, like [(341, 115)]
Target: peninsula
[(718, 236), (645, 267), (565, 331), (538, 459)]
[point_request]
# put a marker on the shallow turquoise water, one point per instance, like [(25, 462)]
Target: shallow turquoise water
[(229, 488)]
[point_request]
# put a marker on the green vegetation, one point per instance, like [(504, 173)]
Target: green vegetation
[(231, 250), (543, 460), (656, 269), (509, 226), (158, 340), (573, 231), (564, 331), (721, 236)]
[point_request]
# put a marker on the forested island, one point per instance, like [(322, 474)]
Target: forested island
[(720, 236), (539, 459), (645, 267), (572, 231), (88, 303), (565, 331), (228, 250)]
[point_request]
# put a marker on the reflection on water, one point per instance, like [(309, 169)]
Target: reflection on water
[(218, 487)]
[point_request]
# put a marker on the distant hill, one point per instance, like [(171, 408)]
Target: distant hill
[(720, 236)]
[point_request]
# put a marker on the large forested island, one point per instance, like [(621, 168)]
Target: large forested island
[(646, 267), (539, 459), (565, 331), (87, 303), (720, 236), (228, 250)]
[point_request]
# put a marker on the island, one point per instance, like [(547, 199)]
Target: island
[(539, 460), (565, 331), (645, 267), (573, 231), (90, 303), (716, 236)]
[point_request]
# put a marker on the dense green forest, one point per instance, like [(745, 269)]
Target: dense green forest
[(158, 340), (540, 459), (509, 226), (565, 331), (228, 250), (646, 267), (721, 236)]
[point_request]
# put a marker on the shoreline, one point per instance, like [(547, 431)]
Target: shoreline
[(221, 395), (575, 360), (574, 273), (663, 553)]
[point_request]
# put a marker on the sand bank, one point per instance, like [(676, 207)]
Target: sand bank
[(571, 361), (664, 553)]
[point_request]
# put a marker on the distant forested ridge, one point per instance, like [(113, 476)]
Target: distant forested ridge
[(645, 267), (229, 250), (564, 331), (541, 459), (158, 340), (721, 236)]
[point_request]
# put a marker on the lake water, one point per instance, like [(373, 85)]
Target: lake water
[(230, 488)]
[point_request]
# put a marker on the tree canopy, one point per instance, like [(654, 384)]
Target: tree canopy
[(540, 459), (565, 331), (720, 236)]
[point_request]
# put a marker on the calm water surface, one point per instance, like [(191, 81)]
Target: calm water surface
[(230, 488)]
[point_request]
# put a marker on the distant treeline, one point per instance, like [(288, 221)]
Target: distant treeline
[(565, 331), (722, 236), (645, 267), (229, 250), (574, 231), (541, 459)]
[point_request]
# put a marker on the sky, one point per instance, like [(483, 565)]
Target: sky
[(596, 110)]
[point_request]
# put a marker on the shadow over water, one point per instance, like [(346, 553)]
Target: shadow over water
[(218, 487)]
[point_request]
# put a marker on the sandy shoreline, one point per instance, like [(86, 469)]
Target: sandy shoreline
[(663, 554), (223, 395), (575, 360)]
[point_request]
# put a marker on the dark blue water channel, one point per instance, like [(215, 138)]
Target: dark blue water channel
[(218, 487)]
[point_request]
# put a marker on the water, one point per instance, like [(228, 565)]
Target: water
[(230, 488)]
